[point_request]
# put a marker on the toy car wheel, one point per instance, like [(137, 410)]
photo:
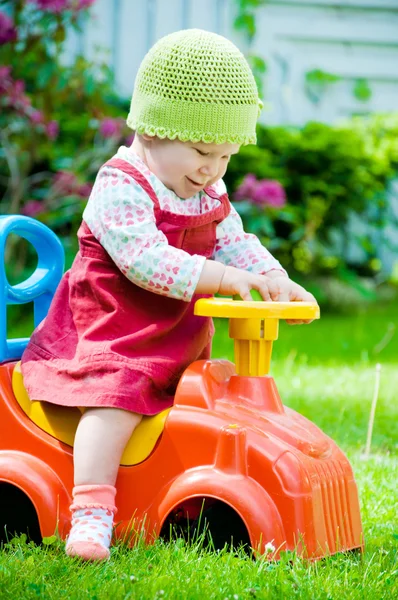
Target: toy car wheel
[(217, 525), (17, 515)]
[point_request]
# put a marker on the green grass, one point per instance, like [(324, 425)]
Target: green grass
[(326, 371)]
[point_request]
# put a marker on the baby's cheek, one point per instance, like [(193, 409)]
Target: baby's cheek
[(222, 171), (219, 176)]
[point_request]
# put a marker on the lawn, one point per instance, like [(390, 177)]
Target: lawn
[(326, 371)]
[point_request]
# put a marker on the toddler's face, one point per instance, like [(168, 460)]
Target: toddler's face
[(187, 167)]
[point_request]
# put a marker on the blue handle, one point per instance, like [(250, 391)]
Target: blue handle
[(39, 288)]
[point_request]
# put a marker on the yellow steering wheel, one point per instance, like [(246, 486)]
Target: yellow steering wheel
[(254, 326)]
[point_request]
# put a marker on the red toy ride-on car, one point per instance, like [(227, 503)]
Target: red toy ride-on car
[(263, 474)]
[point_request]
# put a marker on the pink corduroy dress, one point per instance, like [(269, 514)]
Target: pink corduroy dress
[(108, 342)]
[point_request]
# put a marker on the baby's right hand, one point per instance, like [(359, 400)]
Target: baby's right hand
[(236, 281)]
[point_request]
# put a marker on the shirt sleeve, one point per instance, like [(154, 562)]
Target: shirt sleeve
[(236, 248), (121, 216)]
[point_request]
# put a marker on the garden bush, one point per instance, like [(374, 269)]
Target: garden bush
[(298, 188), (61, 119)]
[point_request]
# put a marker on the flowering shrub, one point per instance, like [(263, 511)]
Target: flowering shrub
[(59, 121), (298, 189), (17, 101), (58, 6)]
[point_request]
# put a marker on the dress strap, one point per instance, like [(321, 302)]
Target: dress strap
[(128, 169), (218, 214), (210, 191)]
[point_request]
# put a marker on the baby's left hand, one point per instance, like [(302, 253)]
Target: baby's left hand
[(289, 291)]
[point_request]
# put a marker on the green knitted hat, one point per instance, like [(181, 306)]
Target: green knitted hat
[(195, 85)]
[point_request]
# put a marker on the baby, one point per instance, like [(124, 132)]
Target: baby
[(158, 232)]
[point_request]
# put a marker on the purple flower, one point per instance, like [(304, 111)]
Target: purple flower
[(16, 98), (84, 190), (5, 71), (55, 6), (52, 130), (129, 139), (32, 208), (83, 4), (269, 193), (111, 127), (263, 192), (8, 33), (37, 117), (5, 79), (65, 182), (246, 189)]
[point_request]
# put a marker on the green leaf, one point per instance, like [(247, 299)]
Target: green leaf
[(244, 4), (48, 541), (257, 63), (353, 280), (297, 235), (62, 81), (246, 22), (362, 90), (44, 74), (321, 77), (243, 207), (266, 225), (89, 84)]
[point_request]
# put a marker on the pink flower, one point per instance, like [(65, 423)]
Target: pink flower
[(52, 130), (8, 33), (129, 140), (5, 71), (17, 96), (246, 189), (19, 87), (84, 190), (14, 92), (37, 117), (83, 4), (269, 193), (111, 127), (55, 6), (265, 192), (32, 208), (65, 182), (5, 79)]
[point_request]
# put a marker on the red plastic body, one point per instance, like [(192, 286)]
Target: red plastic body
[(226, 437)]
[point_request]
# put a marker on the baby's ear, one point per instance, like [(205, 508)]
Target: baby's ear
[(146, 137)]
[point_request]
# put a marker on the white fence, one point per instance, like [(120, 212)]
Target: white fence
[(355, 40)]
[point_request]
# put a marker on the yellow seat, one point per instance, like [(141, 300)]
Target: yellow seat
[(61, 422)]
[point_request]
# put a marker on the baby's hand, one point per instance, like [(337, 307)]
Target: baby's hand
[(235, 281), (289, 291)]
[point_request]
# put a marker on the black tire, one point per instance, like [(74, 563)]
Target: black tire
[(17, 515), (217, 526)]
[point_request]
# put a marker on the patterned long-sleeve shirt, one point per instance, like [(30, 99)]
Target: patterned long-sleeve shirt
[(121, 216)]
